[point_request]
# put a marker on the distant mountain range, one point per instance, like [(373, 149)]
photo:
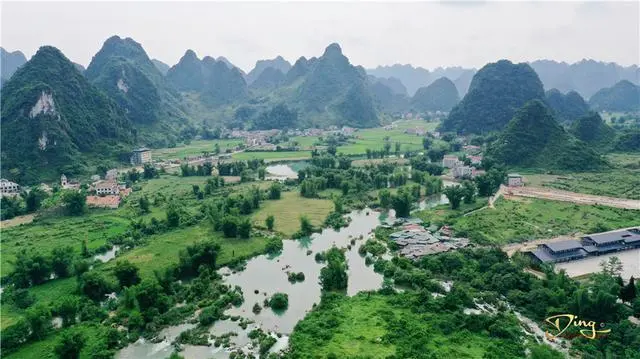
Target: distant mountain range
[(9, 63), (585, 77), (124, 98)]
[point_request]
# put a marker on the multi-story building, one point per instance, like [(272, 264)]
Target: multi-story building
[(141, 156), (107, 188), (449, 161), (9, 188)]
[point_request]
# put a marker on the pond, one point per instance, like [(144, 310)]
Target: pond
[(268, 275), (630, 264), (108, 255), (149, 350), (281, 171), (436, 199)]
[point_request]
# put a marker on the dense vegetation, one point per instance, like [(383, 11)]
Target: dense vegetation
[(567, 107), (427, 321), (623, 96), (533, 138), (441, 95), (496, 92), (592, 130), (51, 115)]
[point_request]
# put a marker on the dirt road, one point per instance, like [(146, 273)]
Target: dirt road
[(565, 196)]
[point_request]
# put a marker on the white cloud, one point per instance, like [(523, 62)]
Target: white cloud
[(423, 34)]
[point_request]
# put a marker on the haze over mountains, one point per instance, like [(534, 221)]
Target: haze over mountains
[(145, 102)]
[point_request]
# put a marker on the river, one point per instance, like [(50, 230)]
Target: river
[(268, 275)]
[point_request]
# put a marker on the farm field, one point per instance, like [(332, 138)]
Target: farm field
[(289, 208)]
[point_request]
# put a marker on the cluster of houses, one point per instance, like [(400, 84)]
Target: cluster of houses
[(459, 169), (415, 241), (108, 191), (587, 246)]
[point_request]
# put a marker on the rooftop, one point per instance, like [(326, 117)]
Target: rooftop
[(514, 175), (141, 149), (563, 245), (610, 237)]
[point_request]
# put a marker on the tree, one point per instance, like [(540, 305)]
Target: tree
[(94, 285), (67, 309), (133, 175), (39, 319), (469, 191), (269, 222), (33, 199), (334, 275), (173, 215), (149, 171), (126, 273), (454, 195), (197, 255), (387, 148), (426, 143), (30, 268), (61, 260), (401, 203), (306, 228), (230, 226), (75, 202), (612, 267), (279, 301), (144, 204), (275, 190), (385, 198), (397, 148), (244, 228), (629, 292)]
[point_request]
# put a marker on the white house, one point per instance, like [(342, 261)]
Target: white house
[(515, 180)]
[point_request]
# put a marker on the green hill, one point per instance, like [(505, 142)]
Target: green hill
[(269, 78), (441, 95), (215, 82), (623, 96), (567, 108), (496, 92), (125, 73), (533, 138), (592, 130), (9, 63), (51, 116), (386, 99), (278, 63)]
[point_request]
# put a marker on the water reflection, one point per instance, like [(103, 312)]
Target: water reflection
[(269, 275)]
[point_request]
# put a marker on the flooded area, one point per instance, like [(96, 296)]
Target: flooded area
[(630, 264), (436, 199), (281, 171), (149, 350), (108, 255), (268, 275)]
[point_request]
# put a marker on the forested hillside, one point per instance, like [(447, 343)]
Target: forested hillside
[(496, 92), (51, 115)]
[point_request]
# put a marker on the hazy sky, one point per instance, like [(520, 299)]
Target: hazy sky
[(424, 34)]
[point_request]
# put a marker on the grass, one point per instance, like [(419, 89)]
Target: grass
[(50, 232), (162, 250), (195, 148), (272, 155), (527, 219), (360, 327), (623, 180), (289, 208)]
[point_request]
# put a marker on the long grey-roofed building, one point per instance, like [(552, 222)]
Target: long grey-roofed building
[(589, 245)]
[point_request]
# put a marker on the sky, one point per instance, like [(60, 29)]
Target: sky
[(426, 34)]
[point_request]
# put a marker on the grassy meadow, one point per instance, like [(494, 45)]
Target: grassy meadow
[(520, 219), (289, 208)]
